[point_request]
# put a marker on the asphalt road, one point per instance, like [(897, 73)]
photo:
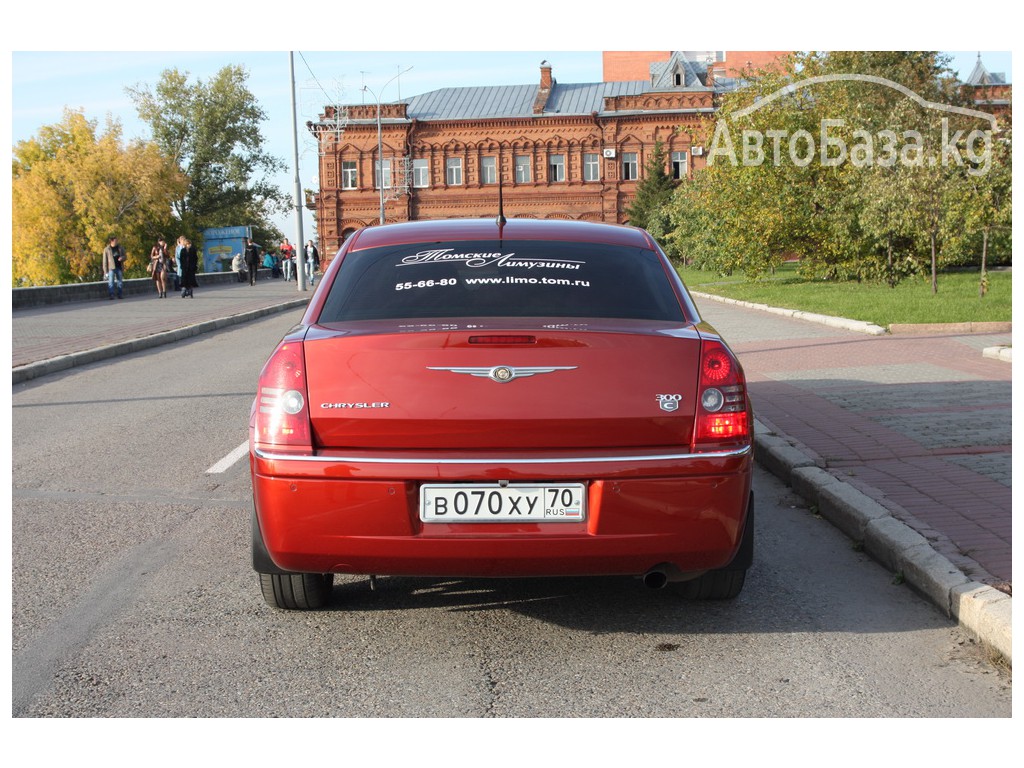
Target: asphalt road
[(133, 595)]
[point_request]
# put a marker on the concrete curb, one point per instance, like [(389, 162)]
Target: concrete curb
[(954, 328), (984, 612), (860, 326), (53, 365)]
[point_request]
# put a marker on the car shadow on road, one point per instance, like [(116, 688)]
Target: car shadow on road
[(770, 603)]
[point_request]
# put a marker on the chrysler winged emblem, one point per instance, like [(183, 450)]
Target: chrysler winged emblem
[(504, 373)]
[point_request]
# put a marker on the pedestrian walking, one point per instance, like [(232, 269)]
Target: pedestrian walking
[(312, 262), (113, 267), (252, 259), (159, 267), (189, 264), (288, 259)]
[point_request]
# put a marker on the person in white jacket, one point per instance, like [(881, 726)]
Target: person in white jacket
[(312, 261)]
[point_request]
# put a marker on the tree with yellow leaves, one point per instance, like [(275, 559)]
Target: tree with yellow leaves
[(73, 188)]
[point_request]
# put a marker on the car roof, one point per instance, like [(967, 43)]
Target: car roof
[(488, 229)]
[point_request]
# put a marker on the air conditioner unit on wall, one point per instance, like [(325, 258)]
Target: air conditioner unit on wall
[(697, 151), (609, 152)]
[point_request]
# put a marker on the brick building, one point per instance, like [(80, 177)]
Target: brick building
[(634, 65), (988, 91), (572, 151)]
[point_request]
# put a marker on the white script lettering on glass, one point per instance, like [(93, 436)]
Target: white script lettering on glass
[(476, 260)]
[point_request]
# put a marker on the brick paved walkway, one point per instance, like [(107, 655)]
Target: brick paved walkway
[(919, 423)]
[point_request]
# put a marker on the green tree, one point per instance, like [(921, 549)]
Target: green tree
[(213, 131), (73, 188), (744, 212), (984, 203), (648, 209), (835, 172), (887, 223)]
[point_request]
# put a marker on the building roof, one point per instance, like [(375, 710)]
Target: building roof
[(691, 67), (521, 101), (496, 101), (981, 76)]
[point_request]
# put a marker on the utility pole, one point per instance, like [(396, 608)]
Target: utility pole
[(300, 244)]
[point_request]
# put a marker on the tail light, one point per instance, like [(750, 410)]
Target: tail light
[(723, 419), (282, 410)]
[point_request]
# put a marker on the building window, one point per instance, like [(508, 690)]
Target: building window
[(488, 170), (453, 167), (522, 169), (591, 166), (420, 172), (349, 176), (630, 168), (556, 168), (387, 174), (678, 165)]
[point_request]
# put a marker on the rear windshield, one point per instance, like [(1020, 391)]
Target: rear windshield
[(525, 278)]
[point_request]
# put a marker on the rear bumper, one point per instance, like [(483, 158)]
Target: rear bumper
[(360, 515)]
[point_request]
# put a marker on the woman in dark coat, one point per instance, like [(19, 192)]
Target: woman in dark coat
[(189, 265)]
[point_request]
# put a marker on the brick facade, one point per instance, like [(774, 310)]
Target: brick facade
[(629, 65), (736, 62), (635, 65), (439, 166)]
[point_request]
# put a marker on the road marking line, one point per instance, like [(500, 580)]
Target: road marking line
[(229, 460)]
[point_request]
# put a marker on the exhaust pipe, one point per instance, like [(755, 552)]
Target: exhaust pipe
[(655, 579)]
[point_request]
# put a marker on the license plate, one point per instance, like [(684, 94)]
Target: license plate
[(485, 503)]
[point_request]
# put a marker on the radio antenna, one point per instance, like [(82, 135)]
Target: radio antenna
[(501, 199)]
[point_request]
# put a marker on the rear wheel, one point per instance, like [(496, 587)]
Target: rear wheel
[(723, 583), (297, 591)]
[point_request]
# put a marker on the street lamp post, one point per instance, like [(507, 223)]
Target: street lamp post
[(300, 273), (380, 145)]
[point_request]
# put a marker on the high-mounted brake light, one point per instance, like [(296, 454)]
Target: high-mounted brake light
[(722, 416), (282, 416), (503, 339)]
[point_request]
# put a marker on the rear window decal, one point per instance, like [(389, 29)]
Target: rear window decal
[(477, 260), (410, 285), (516, 278)]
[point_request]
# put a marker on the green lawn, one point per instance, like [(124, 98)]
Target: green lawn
[(911, 301)]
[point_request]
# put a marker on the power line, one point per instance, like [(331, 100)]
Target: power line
[(315, 80)]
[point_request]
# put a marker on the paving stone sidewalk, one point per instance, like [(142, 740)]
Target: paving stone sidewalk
[(45, 333), (920, 424)]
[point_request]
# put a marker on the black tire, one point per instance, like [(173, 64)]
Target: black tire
[(297, 591), (724, 583)]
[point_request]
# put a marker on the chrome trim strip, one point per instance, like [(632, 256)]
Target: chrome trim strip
[(577, 460)]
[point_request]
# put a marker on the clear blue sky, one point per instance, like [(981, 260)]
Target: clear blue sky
[(44, 83)]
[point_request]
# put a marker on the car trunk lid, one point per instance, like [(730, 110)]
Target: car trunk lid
[(568, 386)]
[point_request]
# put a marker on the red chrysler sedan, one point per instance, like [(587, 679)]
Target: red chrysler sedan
[(480, 398)]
